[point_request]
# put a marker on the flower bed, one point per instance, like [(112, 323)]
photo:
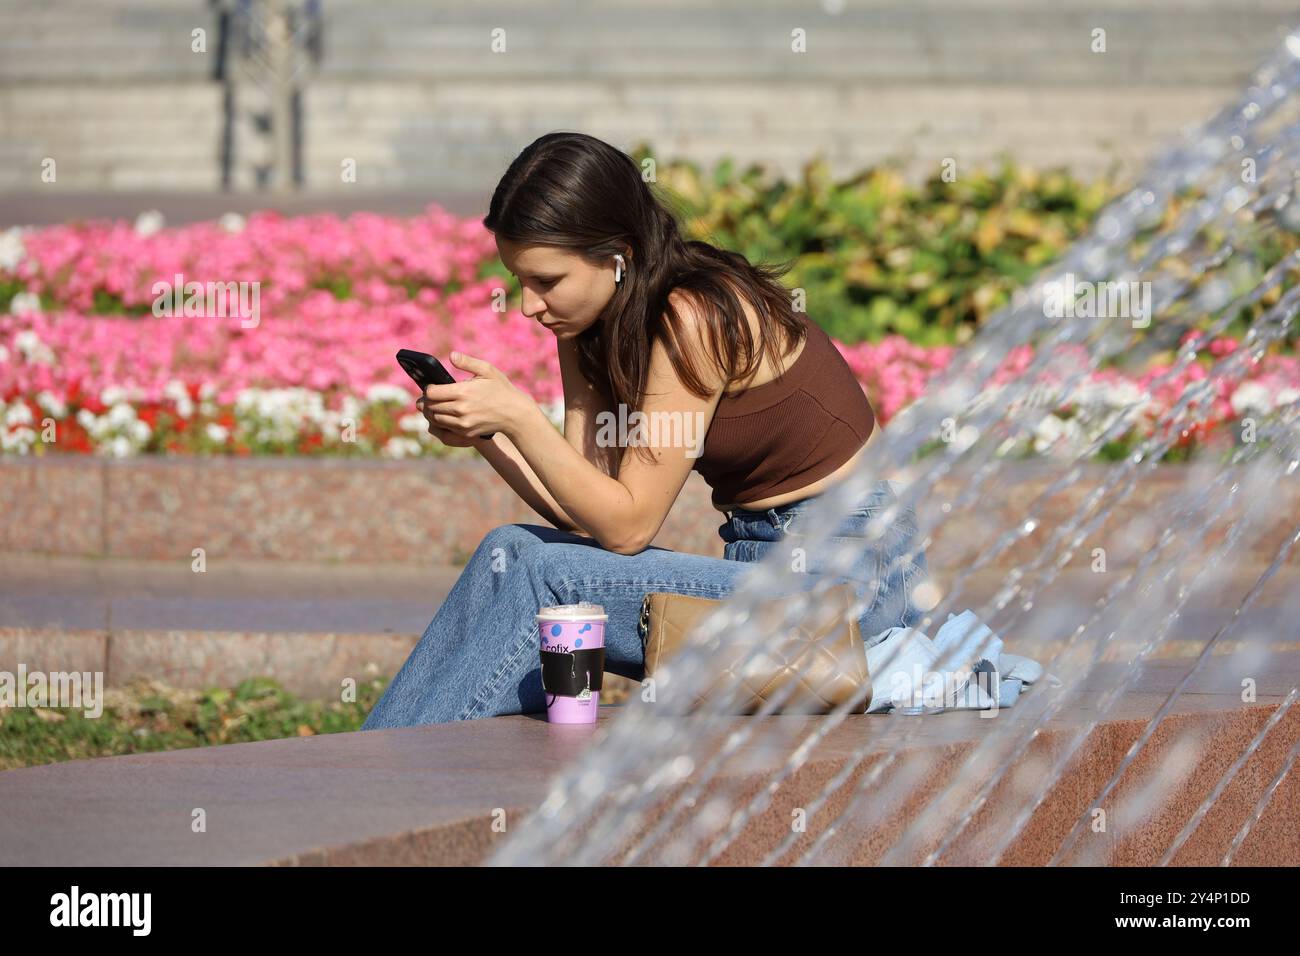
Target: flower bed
[(87, 366)]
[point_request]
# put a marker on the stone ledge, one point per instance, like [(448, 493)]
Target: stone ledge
[(311, 626), (334, 510), (426, 795)]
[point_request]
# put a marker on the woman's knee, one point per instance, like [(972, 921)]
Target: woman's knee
[(505, 542), (531, 556)]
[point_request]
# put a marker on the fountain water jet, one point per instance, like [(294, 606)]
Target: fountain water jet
[(614, 790)]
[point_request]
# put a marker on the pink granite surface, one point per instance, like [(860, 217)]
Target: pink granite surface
[(322, 510), (429, 795), (311, 626)]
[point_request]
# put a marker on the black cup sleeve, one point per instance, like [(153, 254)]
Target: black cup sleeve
[(570, 673)]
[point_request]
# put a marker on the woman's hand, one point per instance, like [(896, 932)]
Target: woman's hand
[(443, 435), (464, 411)]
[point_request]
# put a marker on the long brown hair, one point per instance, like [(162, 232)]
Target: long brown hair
[(575, 191)]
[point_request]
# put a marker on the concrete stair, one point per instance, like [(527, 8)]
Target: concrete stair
[(413, 93)]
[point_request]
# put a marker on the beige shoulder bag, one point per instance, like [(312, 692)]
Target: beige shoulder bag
[(825, 655)]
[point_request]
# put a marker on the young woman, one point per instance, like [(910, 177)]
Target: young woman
[(744, 389)]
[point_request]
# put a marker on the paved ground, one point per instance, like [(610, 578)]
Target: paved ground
[(313, 626), (38, 591), (275, 597)]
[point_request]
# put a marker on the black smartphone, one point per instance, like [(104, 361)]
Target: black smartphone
[(426, 370)]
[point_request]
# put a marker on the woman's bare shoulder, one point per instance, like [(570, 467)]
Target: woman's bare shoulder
[(696, 335)]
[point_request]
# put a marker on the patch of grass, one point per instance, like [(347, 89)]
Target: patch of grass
[(149, 716)]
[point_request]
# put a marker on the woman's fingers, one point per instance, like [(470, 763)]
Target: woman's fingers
[(429, 409), (429, 414)]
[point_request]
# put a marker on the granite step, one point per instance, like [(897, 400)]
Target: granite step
[(432, 795), (312, 625)]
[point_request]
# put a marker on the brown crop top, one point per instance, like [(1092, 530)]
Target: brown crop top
[(789, 432)]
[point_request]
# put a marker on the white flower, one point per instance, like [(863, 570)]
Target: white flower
[(120, 415), (384, 392), (33, 349), (401, 447), (18, 414), (1286, 396), (12, 251), (217, 433), (1058, 437), (1119, 395), (1251, 397), (140, 431), (4, 354), (52, 403), (20, 439), (147, 223), (25, 302), (113, 395), (232, 222), (1100, 404), (180, 396), (120, 447), (332, 423), (86, 419), (415, 422), (279, 414)]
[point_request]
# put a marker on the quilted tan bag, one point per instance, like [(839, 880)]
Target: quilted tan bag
[(825, 655)]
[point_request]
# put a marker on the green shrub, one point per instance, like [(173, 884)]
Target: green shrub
[(877, 256)]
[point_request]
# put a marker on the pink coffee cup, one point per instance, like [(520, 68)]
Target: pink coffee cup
[(566, 628)]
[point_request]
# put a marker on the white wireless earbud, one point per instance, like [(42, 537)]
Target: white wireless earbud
[(618, 269)]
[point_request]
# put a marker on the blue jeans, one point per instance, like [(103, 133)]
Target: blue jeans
[(479, 655)]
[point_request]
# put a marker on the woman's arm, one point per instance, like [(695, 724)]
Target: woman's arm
[(625, 513), (581, 405), (510, 465)]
